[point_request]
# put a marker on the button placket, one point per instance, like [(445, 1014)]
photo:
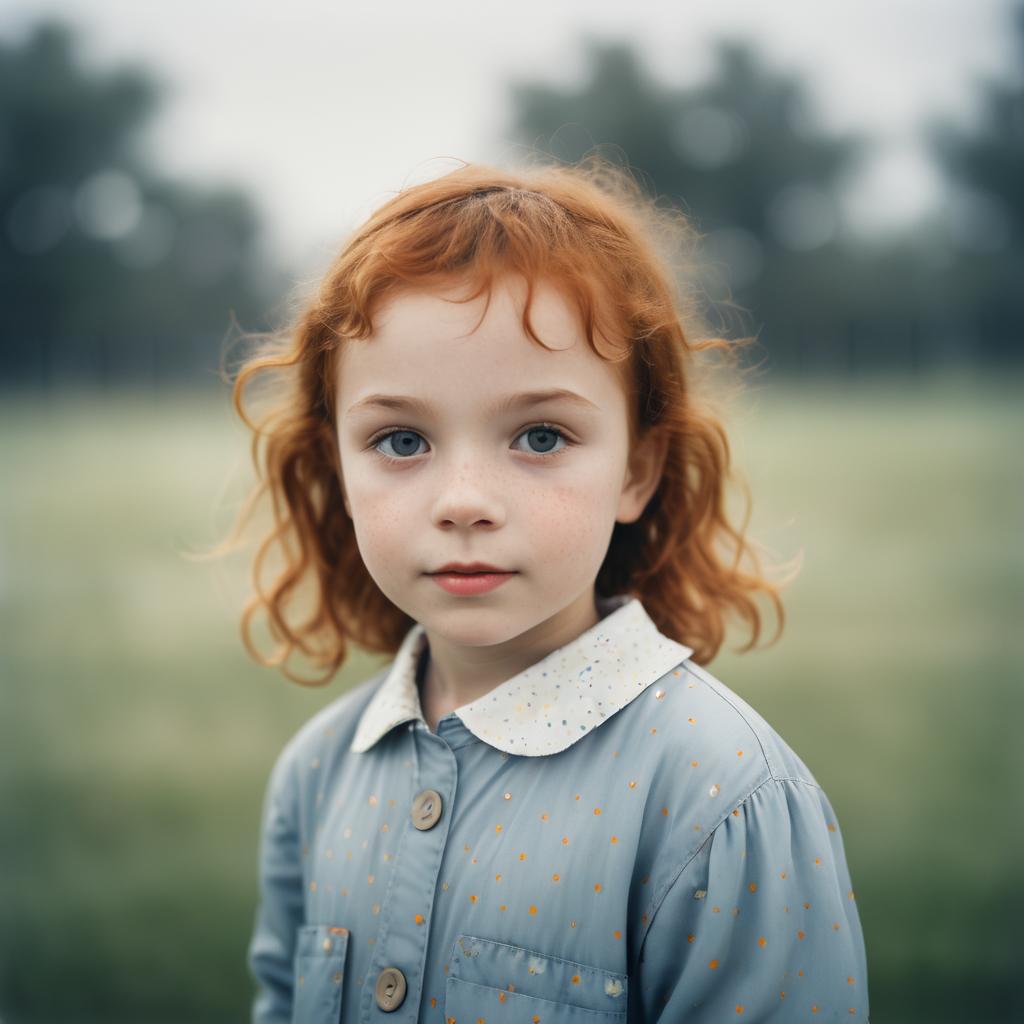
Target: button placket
[(401, 947)]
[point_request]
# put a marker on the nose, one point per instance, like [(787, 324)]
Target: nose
[(468, 495)]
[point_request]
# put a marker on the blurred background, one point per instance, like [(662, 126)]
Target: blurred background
[(172, 175)]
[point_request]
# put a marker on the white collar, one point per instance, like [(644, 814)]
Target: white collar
[(553, 703)]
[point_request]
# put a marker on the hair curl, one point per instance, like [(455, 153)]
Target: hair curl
[(591, 230)]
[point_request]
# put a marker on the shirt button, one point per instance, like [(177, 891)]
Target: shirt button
[(426, 809), (390, 990)]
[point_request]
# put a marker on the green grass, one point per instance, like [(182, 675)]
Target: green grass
[(136, 735)]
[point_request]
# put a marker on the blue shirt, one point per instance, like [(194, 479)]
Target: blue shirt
[(612, 834)]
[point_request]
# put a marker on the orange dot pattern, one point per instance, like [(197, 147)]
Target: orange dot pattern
[(672, 813)]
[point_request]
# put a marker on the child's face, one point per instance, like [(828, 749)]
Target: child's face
[(467, 482)]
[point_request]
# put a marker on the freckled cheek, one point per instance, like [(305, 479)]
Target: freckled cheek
[(566, 519)]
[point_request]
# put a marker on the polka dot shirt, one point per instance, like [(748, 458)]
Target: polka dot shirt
[(611, 834)]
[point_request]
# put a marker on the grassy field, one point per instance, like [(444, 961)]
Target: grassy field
[(136, 736)]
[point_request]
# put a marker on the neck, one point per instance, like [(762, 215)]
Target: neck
[(455, 675)]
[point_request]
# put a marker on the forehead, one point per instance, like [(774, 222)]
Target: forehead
[(424, 338)]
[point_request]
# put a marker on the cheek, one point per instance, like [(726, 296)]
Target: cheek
[(573, 516)]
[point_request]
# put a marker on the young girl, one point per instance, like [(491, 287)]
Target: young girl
[(490, 457)]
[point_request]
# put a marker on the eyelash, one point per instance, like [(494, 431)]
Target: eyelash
[(380, 435)]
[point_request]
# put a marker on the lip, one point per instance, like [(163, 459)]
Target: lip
[(468, 567), (467, 583)]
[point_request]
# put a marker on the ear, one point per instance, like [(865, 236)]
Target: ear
[(643, 474)]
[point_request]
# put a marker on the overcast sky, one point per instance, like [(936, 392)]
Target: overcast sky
[(324, 108)]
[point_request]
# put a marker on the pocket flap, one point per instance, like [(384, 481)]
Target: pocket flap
[(319, 973), (530, 972)]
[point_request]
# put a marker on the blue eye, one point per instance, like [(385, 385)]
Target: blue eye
[(548, 437), (404, 442)]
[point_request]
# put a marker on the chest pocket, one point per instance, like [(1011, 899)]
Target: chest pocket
[(319, 973), (500, 984)]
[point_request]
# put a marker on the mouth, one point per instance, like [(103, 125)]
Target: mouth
[(474, 569)]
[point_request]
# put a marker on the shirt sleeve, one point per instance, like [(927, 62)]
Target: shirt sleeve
[(281, 902), (761, 925)]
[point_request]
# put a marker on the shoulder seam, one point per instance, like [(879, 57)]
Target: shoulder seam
[(709, 681)]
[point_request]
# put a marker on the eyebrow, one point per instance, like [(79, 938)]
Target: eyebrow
[(497, 408)]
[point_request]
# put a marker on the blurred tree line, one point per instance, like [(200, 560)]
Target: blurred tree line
[(109, 271), (742, 154)]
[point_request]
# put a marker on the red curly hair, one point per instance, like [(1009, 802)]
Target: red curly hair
[(591, 230)]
